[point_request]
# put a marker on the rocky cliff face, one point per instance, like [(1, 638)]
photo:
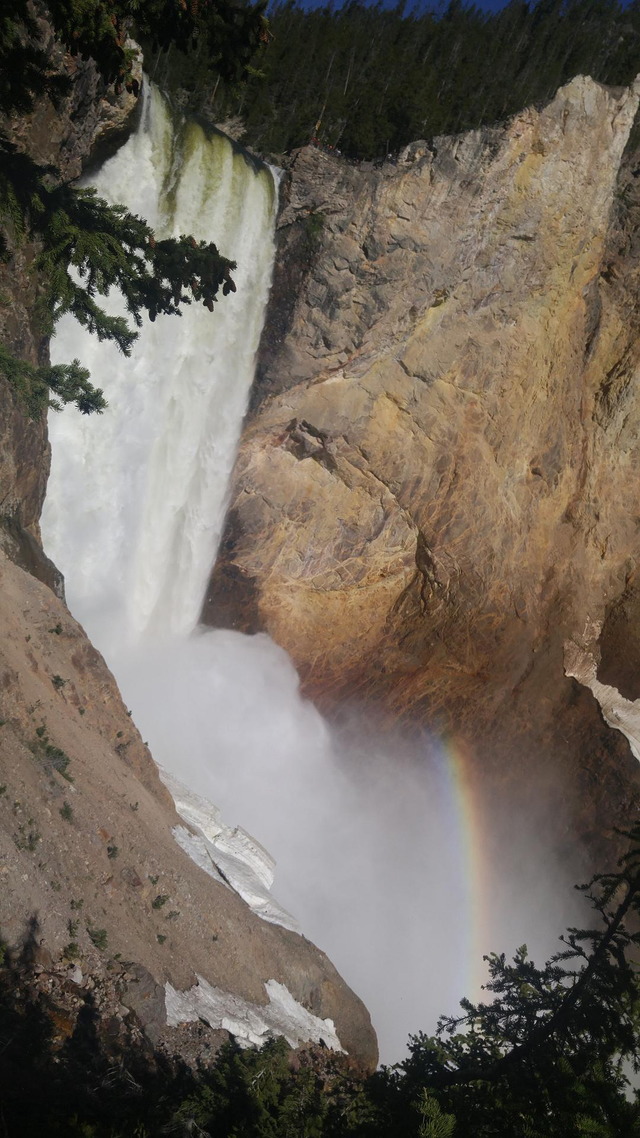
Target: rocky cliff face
[(119, 913), (89, 122), (438, 480), (118, 917)]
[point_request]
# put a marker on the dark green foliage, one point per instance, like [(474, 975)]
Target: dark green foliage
[(58, 759), (66, 812), (53, 758), (25, 70), (546, 1058), (86, 246), (98, 937), (27, 838), (229, 30), (52, 386), (265, 1093), (313, 227), (369, 79)]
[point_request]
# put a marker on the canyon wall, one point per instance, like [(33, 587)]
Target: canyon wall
[(437, 484), (87, 123), (101, 901)]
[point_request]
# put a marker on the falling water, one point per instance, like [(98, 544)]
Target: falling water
[(136, 497), (368, 857)]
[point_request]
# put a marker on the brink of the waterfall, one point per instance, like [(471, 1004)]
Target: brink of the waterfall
[(136, 497)]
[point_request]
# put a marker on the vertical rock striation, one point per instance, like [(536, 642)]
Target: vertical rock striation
[(439, 478)]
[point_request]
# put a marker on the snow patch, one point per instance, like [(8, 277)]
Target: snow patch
[(620, 713), (228, 855), (250, 1024)]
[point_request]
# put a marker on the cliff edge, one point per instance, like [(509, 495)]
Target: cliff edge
[(437, 483)]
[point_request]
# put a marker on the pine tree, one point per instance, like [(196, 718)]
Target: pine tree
[(378, 78), (548, 1056), (85, 245)]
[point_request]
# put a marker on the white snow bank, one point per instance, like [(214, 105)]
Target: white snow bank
[(228, 855), (250, 1024), (620, 713)]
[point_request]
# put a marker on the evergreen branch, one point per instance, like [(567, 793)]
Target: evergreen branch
[(612, 941), (25, 63), (89, 247), (53, 386)]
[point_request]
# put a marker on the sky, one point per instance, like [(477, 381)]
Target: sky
[(483, 5)]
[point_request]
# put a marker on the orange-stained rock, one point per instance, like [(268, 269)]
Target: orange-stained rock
[(440, 476)]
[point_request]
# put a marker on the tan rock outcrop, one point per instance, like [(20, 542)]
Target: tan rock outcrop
[(87, 849), (439, 478)]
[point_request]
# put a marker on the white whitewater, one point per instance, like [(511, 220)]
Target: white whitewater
[(136, 496), (365, 843)]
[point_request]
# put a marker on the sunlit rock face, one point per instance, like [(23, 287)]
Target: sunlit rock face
[(439, 480), (110, 861)]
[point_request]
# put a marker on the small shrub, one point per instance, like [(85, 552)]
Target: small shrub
[(161, 938), (160, 900), (134, 805), (54, 757), (59, 760), (66, 812), (154, 878), (57, 629), (75, 905), (72, 928), (314, 227), (71, 951), (58, 682), (98, 937), (112, 851), (3, 789), (27, 839)]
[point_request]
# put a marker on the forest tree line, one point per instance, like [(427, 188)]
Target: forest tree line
[(367, 80)]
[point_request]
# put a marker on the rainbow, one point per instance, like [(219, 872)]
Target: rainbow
[(466, 846)]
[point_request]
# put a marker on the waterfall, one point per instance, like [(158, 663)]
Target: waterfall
[(368, 840), (136, 496)]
